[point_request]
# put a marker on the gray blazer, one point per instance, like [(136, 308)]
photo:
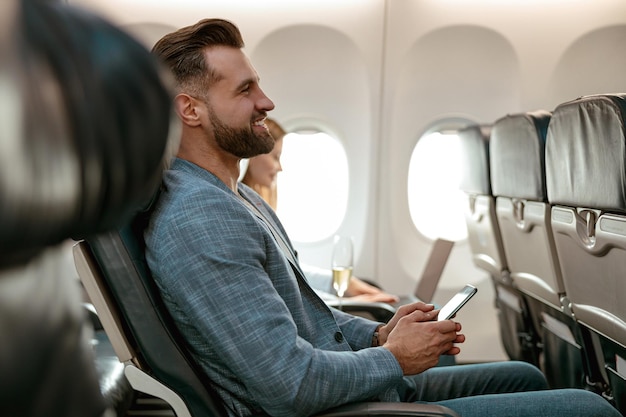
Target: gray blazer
[(267, 341)]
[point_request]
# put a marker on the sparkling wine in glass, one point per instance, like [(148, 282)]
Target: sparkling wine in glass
[(342, 264)]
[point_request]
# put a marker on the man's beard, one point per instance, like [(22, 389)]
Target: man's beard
[(243, 143)]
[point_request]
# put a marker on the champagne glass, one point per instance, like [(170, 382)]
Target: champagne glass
[(342, 264)]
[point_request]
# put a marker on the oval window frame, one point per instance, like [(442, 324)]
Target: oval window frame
[(445, 126), (306, 205)]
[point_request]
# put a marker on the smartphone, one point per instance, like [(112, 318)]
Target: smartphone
[(454, 305)]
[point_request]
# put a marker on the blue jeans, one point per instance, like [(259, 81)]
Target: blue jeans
[(503, 389)]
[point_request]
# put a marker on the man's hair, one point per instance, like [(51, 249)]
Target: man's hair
[(182, 52)]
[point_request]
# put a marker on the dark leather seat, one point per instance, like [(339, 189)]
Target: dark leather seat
[(78, 151)]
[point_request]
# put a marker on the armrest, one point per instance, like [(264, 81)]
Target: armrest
[(381, 312), (389, 409)]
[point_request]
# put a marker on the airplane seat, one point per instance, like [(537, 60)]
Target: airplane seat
[(157, 361), (517, 157), (77, 150), (586, 181), (485, 242), (124, 300)]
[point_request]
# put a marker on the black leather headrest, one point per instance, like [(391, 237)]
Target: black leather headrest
[(517, 155), (586, 153), (90, 133), (474, 141)]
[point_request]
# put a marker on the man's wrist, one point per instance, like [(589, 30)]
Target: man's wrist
[(375, 341)]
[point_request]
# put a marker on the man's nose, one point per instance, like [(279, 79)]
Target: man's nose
[(264, 103)]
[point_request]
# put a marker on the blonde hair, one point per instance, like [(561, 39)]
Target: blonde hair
[(275, 129), (269, 194)]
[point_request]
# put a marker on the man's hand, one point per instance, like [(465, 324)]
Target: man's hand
[(416, 340), (403, 311)]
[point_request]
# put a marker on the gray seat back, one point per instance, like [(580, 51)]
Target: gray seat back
[(518, 180), (586, 180), (486, 245), (482, 227)]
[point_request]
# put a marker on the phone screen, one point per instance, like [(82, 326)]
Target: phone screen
[(454, 305)]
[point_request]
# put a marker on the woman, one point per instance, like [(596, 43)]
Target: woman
[(260, 174)]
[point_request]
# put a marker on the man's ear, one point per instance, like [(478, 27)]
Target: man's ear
[(186, 108)]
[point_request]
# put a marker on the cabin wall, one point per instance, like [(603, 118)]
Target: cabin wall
[(382, 73)]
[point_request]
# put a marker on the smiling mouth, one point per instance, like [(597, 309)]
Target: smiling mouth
[(260, 123)]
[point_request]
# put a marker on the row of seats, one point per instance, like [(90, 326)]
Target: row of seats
[(546, 217)]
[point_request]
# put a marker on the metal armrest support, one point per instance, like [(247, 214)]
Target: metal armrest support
[(381, 312), (389, 409)]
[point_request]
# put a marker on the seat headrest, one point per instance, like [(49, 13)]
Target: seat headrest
[(474, 144), (90, 131), (517, 155), (586, 153)]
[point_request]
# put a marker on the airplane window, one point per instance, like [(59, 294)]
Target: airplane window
[(313, 186), (435, 200)]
